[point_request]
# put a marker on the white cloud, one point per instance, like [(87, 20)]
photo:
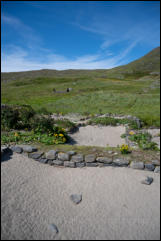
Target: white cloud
[(26, 32), (113, 32), (20, 60), (120, 28)]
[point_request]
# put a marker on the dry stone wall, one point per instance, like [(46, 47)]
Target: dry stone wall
[(72, 159)]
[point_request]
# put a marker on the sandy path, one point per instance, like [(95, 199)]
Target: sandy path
[(99, 136), (115, 205)]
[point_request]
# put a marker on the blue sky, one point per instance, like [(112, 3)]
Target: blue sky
[(76, 35)]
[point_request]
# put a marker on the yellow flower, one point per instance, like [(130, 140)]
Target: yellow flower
[(61, 135), (56, 135), (64, 139), (124, 147), (131, 132), (16, 134)]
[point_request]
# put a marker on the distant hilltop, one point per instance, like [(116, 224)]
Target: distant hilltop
[(148, 64)]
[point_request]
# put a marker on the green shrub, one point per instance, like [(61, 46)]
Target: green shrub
[(31, 137), (44, 129), (41, 124), (65, 124), (103, 121), (149, 121), (44, 111), (9, 118), (140, 137), (16, 117), (25, 113), (148, 145), (144, 141), (113, 122)]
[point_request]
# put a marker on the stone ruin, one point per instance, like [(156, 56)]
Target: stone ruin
[(61, 92)]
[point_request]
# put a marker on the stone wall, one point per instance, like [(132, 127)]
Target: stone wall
[(72, 159)]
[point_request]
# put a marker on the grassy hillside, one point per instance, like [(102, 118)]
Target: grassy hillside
[(93, 91), (148, 64)]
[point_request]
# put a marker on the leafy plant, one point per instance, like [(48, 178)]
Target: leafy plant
[(123, 135), (144, 141), (41, 124), (113, 122), (31, 137), (125, 149), (44, 111), (140, 137), (16, 117), (65, 124), (9, 118)]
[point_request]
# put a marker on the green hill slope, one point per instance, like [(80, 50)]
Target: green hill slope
[(148, 64), (131, 89)]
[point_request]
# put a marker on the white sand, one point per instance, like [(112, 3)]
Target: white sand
[(99, 136), (115, 205)]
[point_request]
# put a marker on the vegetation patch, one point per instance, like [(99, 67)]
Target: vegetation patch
[(59, 137), (16, 117), (144, 141), (65, 124), (125, 149), (90, 93), (113, 122), (20, 124)]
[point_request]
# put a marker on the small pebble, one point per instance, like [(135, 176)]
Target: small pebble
[(147, 181), (54, 229), (76, 198)]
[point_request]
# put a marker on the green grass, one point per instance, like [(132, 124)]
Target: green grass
[(105, 121), (130, 89), (144, 141), (89, 95)]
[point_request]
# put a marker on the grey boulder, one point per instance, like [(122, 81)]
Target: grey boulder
[(28, 148), (43, 160), (35, 155), (71, 153), (77, 158), (156, 162), (58, 162), (92, 164), (51, 155), (54, 229), (90, 158), (147, 181), (149, 167), (76, 198), (69, 164), (63, 156), (120, 162), (16, 149), (105, 160), (157, 169), (80, 164), (137, 165)]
